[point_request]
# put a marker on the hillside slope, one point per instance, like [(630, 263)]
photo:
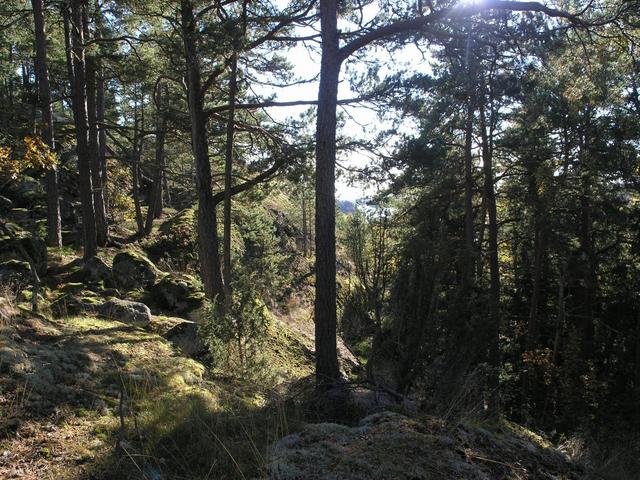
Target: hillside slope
[(86, 397)]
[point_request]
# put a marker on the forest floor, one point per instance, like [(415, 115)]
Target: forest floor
[(90, 398)]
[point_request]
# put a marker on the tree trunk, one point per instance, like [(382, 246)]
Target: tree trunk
[(155, 200), (529, 385), (138, 145), (94, 152), (81, 123), (228, 171), (305, 228), (494, 271), (467, 269), (589, 269), (54, 228), (560, 321), (209, 255), (102, 129), (327, 370), (165, 187)]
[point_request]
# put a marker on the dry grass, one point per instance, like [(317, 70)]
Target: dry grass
[(8, 303)]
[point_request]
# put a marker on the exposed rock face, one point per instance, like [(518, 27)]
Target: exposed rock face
[(177, 293), (180, 332), (176, 240), (34, 246), (133, 271), (74, 299), (15, 271), (126, 311), (25, 191), (391, 446), (96, 270)]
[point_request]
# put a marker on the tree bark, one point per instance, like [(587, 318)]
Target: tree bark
[(81, 123), (493, 329), (209, 256), (228, 172), (54, 227), (589, 268), (138, 145), (467, 271), (155, 200), (305, 228), (327, 370), (94, 153), (102, 129), (94, 140)]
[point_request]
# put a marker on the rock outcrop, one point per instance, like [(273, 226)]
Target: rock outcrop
[(391, 446), (131, 270), (126, 311), (177, 293)]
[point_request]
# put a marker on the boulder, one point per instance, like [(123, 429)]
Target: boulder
[(74, 300), (175, 241), (33, 245), (388, 445), (126, 311), (131, 270), (182, 333), (15, 271), (178, 293), (26, 191), (93, 270)]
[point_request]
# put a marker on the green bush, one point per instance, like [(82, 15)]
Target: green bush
[(235, 333)]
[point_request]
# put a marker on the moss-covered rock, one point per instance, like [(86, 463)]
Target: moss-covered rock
[(131, 270), (182, 333), (15, 271), (388, 445), (25, 191), (175, 241), (177, 293), (126, 311), (94, 270), (74, 299), (33, 245)]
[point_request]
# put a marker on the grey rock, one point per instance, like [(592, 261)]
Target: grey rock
[(126, 311), (177, 293), (96, 270), (133, 271), (15, 270)]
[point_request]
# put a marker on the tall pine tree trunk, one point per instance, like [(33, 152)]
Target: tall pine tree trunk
[(81, 123), (327, 370), (493, 327), (228, 176), (54, 228), (155, 199), (100, 117), (138, 145), (94, 152), (467, 269), (209, 256)]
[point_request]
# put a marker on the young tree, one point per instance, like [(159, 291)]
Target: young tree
[(54, 229)]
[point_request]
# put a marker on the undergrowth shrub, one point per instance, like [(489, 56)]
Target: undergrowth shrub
[(234, 337)]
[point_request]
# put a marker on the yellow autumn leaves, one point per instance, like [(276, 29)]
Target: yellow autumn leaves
[(37, 154)]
